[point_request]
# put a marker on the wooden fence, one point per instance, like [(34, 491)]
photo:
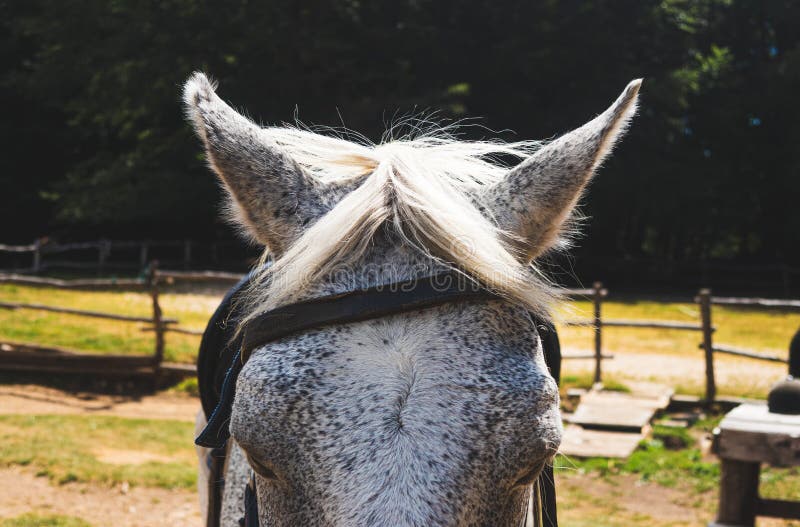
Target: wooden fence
[(97, 255), (705, 302), (33, 357), (19, 357)]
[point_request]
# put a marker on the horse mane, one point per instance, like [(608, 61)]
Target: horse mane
[(425, 187)]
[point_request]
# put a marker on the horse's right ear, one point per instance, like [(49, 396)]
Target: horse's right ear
[(536, 198), (271, 196)]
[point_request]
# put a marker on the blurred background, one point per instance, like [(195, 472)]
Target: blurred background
[(703, 189), (101, 177)]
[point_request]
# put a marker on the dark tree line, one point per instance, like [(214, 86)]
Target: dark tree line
[(95, 144)]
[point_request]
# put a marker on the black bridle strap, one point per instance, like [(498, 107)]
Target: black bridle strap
[(344, 308), (359, 305)]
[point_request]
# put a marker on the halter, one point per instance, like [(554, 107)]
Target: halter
[(217, 347)]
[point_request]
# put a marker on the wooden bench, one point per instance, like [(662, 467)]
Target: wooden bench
[(747, 437)]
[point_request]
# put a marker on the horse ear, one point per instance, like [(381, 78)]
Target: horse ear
[(270, 195), (537, 197)]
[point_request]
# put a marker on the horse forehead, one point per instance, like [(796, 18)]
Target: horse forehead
[(435, 355)]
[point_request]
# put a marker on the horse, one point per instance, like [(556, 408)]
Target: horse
[(440, 416)]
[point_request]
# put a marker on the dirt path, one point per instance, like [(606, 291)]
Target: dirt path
[(100, 506), (32, 399)]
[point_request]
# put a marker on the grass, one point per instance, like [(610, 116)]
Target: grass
[(36, 520), (585, 381), (671, 459), (69, 448), (98, 335)]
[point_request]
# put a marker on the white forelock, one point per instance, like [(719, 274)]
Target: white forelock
[(424, 189)]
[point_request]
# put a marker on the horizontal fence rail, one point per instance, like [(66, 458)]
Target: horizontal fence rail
[(199, 276), (17, 248), (755, 302), (741, 352), (647, 324), (82, 312), (110, 283), (137, 254)]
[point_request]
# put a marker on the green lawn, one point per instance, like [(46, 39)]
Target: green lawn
[(36, 520), (99, 335), (101, 449)]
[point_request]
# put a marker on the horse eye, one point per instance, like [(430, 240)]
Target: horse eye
[(260, 469)]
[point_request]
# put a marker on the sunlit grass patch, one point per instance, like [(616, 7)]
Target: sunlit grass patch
[(70, 448), (37, 520), (759, 329), (100, 335), (672, 458)]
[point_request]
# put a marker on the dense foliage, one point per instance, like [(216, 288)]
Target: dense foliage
[(94, 141)]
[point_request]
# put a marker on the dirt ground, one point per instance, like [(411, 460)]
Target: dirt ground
[(100, 506), (582, 496), (36, 400)]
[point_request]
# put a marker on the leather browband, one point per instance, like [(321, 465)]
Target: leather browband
[(358, 305), (353, 306)]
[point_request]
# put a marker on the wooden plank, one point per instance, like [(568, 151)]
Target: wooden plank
[(580, 442), (585, 356), (642, 324), (652, 324), (176, 368), (62, 361), (757, 417), (738, 493), (760, 302), (17, 248), (176, 329), (605, 410), (779, 508), (34, 348), (750, 433), (580, 323), (199, 276), (82, 312), (577, 292), (50, 357), (616, 417), (70, 284), (741, 352), (650, 401)]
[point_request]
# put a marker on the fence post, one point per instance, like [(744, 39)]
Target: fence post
[(704, 299), (597, 300), (143, 254), (103, 250), (158, 324), (37, 256), (187, 253), (214, 253)]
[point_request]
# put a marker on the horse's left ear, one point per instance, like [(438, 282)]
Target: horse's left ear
[(536, 198), (271, 196)]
